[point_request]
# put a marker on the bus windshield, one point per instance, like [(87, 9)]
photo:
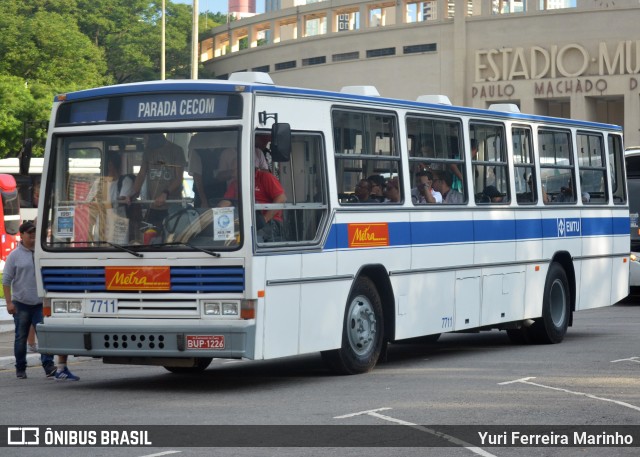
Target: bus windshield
[(133, 189)]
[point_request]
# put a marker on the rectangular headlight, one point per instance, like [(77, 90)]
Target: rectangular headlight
[(230, 309), (211, 308), (74, 306)]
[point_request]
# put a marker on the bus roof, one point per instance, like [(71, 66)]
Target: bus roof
[(173, 86)]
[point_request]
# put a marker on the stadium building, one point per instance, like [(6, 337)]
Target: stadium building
[(550, 57)]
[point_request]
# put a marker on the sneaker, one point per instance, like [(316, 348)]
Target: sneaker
[(21, 374), (50, 371), (32, 348), (66, 375)]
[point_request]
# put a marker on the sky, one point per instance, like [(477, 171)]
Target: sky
[(217, 6)]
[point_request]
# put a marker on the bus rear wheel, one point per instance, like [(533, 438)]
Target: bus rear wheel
[(201, 364), (556, 308), (362, 333)]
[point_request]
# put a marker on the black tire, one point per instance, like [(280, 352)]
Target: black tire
[(556, 308), (362, 333), (201, 364)]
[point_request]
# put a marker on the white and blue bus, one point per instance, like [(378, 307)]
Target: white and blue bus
[(285, 260)]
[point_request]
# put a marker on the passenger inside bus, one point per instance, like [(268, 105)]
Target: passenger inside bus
[(377, 187), (268, 189), (424, 193), (162, 169), (566, 194), (262, 141), (392, 191), (212, 170), (362, 192), (442, 180), (492, 195)]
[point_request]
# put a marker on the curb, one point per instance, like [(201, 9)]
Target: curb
[(9, 362)]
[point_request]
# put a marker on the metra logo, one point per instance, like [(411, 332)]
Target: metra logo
[(569, 227), (368, 235), (145, 278)]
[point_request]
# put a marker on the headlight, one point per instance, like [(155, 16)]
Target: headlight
[(230, 309), (633, 258), (66, 306), (211, 308)]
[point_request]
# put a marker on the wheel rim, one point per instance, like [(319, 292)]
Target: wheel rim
[(361, 325), (557, 303)]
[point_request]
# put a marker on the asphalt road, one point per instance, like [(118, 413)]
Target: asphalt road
[(469, 380)]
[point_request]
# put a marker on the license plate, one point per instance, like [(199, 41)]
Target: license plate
[(205, 342)]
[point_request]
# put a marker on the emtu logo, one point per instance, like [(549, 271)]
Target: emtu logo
[(23, 436), (569, 227)]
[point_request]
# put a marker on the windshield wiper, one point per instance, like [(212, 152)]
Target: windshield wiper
[(189, 245), (114, 245)]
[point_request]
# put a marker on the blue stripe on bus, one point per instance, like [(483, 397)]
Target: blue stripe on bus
[(488, 230)]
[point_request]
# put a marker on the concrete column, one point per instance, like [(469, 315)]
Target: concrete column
[(443, 9), (332, 22), (631, 122), (580, 108), (234, 41), (459, 53), (252, 36), (275, 28), (486, 7), (401, 12), (364, 17)]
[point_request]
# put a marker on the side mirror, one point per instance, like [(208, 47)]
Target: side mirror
[(280, 142), (24, 158)]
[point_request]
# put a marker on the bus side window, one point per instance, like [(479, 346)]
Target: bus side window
[(592, 168), (436, 146), (489, 163), (303, 180), (366, 144)]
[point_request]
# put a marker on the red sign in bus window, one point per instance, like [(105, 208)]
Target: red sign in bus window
[(141, 278), (368, 235)]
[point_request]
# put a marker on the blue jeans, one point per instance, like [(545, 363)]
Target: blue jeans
[(24, 317)]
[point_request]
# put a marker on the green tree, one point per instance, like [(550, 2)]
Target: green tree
[(56, 46), (42, 52), (129, 32)]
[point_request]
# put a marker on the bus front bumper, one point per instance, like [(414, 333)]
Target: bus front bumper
[(158, 341)]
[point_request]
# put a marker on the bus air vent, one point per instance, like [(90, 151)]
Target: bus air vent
[(371, 91), (505, 107), (251, 77), (435, 99)]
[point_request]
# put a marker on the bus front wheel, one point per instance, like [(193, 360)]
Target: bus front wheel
[(201, 364), (556, 308), (362, 333)]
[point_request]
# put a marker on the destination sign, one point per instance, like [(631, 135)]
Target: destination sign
[(151, 107)]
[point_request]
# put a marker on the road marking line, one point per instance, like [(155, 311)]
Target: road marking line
[(361, 413), (560, 389), (630, 359), (451, 439), (517, 380), (161, 453)]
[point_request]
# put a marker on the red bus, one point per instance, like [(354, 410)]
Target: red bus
[(10, 211)]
